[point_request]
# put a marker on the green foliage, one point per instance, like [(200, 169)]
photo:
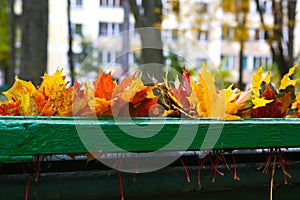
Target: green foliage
[(4, 34), (87, 47)]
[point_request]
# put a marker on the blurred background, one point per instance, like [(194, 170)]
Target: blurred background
[(236, 36)]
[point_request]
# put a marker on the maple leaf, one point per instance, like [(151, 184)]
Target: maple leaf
[(285, 81), (132, 88), (296, 105), (287, 97), (181, 93), (257, 81), (27, 105), (19, 88), (147, 107), (104, 86), (52, 97), (260, 102), (65, 103), (48, 109), (126, 82), (229, 117), (210, 102), (267, 106), (52, 86), (82, 95), (10, 108), (101, 107), (124, 93)]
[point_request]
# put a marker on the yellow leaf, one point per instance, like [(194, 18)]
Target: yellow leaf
[(256, 82), (209, 102), (260, 102), (53, 85), (26, 105), (233, 108), (101, 106), (230, 117), (267, 79), (19, 88), (230, 94), (285, 81)]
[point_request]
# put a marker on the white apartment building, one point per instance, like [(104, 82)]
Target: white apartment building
[(93, 20), (197, 32)]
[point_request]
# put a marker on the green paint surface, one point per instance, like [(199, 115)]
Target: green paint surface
[(26, 136)]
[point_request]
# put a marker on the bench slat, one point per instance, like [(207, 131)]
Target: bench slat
[(25, 136)]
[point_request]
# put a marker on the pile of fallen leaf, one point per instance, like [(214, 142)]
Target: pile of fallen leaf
[(132, 98)]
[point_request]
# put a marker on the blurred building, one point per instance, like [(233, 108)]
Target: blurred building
[(93, 22), (197, 30), (215, 31)]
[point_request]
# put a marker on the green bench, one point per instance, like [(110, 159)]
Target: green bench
[(22, 138)]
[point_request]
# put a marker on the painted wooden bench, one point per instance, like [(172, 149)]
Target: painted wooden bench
[(21, 138)]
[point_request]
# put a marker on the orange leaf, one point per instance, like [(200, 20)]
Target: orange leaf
[(104, 86), (48, 109), (10, 108), (142, 94), (124, 84), (102, 107)]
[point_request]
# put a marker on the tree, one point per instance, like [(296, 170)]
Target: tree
[(34, 28), (70, 41), (12, 42), (4, 38), (152, 48), (281, 42), (240, 8), (125, 37)]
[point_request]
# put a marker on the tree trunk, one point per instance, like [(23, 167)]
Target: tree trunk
[(282, 48), (12, 42), (241, 65), (291, 27), (152, 47), (34, 28), (70, 50), (125, 37)]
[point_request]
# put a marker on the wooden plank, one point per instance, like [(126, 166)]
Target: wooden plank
[(97, 184), (21, 136)]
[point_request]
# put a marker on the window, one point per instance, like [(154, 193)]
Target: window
[(78, 3), (263, 6), (227, 32), (103, 29), (78, 29), (259, 34), (108, 57), (203, 35), (169, 35), (230, 61), (200, 61), (261, 61), (245, 62), (111, 3), (100, 57), (108, 29), (202, 8)]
